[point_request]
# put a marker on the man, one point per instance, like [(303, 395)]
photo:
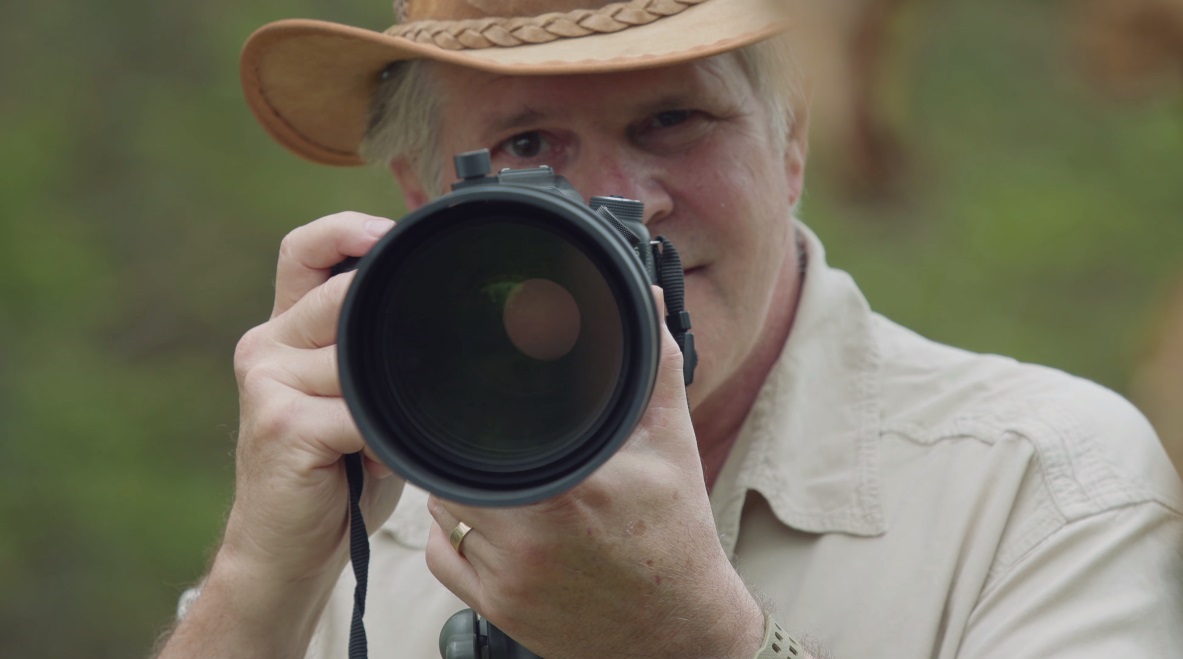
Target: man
[(831, 471)]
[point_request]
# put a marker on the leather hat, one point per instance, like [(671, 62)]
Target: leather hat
[(310, 82)]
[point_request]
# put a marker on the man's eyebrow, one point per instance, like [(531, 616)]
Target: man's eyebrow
[(686, 100), (679, 100), (521, 119)]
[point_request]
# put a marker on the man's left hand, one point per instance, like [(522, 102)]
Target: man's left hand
[(627, 563)]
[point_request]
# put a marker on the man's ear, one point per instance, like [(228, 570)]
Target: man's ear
[(796, 152), (414, 192)]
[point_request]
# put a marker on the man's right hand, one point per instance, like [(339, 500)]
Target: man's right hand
[(286, 538)]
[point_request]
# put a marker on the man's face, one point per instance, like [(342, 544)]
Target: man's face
[(694, 144)]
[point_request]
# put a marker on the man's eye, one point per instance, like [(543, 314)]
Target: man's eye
[(525, 145), (671, 118)]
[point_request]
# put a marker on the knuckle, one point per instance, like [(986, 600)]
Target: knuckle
[(536, 554), (255, 376), (248, 350), (337, 286), (330, 296), (289, 246), (324, 294), (322, 304), (274, 419), (435, 557), (580, 503), (514, 590)]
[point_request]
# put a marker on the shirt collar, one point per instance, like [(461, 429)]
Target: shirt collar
[(810, 445)]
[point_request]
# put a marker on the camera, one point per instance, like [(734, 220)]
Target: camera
[(501, 342)]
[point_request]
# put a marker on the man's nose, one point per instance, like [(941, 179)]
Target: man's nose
[(623, 173)]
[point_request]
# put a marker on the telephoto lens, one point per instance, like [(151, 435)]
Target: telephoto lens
[(501, 342)]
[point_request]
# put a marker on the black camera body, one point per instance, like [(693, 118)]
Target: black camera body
[(467, 635), (625, 215), (501, 342)]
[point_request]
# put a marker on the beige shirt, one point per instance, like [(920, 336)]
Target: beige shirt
[(892, 497)]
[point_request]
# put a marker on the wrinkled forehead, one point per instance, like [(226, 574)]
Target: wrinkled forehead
[(469, 90)]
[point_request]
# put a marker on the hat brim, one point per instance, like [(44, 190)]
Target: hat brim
[(310, 83)]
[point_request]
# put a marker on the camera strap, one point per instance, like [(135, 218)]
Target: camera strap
[(359, 555), (677, 319)]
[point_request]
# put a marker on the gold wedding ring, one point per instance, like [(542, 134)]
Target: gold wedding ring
[(457, 536)]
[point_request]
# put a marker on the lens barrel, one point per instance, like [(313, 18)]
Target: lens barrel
[(499, 344)]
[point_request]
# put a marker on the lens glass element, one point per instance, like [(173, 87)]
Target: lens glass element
[(500, 342)]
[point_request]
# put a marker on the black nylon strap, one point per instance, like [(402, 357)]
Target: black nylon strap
[(359, 554), (677, 319)]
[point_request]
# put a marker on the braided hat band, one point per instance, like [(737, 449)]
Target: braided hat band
[(310, 83), (518, 31)]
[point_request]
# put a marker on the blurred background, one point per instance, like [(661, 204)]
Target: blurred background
[(1005, 176)]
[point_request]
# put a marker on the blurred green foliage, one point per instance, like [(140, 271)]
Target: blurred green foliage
[(141, 208)]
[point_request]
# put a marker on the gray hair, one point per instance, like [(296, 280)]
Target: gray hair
[(406, 108), (404, 121)]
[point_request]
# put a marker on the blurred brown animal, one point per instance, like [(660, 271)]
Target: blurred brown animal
[(1131, 48), (844, 46), (1128, 49), (1157, 384)]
